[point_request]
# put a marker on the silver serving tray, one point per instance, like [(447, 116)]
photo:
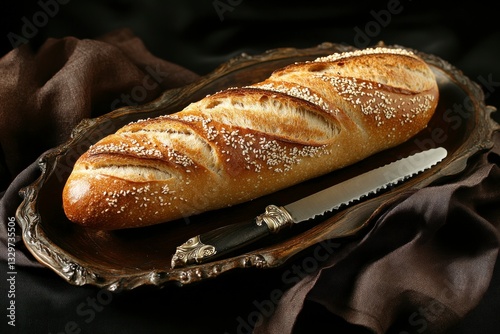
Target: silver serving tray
[(131, 258)]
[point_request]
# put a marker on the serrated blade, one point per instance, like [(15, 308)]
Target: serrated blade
[(226, 239), (362, 185)]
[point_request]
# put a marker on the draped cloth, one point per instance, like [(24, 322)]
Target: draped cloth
[(423, 266)]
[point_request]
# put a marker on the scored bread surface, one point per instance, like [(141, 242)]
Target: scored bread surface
[(305, 120)]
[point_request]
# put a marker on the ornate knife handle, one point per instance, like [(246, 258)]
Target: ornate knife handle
[(226, 239)]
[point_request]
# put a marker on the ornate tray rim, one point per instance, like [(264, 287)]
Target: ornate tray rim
[(73, 272)]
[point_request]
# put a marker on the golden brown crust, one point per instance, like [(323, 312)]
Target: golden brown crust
[(305, 120)]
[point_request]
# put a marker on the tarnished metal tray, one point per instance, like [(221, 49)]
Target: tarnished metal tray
[(130, 258)]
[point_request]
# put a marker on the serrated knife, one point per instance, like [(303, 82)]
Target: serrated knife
[(213, 244)]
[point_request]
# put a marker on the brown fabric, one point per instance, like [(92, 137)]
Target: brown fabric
[(425, 263), (46, 92)]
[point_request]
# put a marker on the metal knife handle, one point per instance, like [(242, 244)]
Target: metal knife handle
[(218, 242)]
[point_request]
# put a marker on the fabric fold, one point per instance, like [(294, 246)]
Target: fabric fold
[(424, 265), (46, 92)]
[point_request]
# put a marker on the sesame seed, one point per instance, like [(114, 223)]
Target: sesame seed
[(124, 148), (179, 158), (297, 91), (367, 51)]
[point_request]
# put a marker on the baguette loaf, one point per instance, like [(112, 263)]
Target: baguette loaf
[(304, 121)]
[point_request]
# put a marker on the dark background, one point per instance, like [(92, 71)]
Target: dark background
[(200, 35)]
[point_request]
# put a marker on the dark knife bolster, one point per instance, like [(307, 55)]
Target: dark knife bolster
[(226, 239)]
